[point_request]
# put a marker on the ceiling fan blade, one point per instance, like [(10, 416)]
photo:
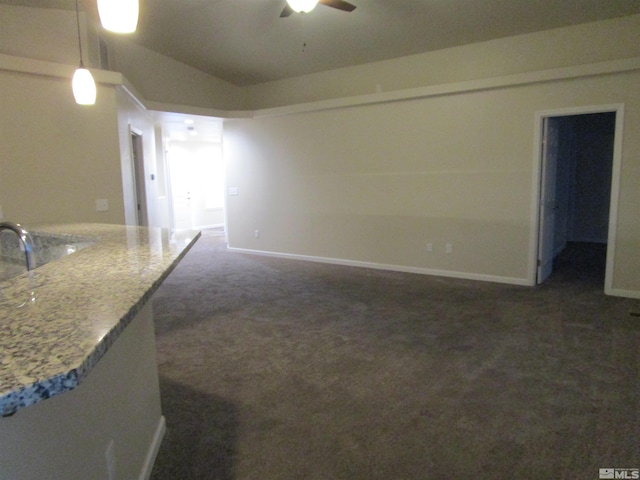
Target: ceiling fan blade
[(286, 11), (339, 4)]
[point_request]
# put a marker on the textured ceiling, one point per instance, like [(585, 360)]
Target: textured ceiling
[(246, 42)]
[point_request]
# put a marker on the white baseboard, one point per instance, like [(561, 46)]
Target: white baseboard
[(152, 453), (383, 266), (616, 292), (205, 227)]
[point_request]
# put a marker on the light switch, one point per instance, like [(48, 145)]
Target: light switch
[(102, 205)]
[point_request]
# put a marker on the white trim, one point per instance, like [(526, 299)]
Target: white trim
[(50, 69), (617, 292), (139, 165), (39, 67), (618, 109), (204, 227), (615, 200), (534, 215), (384, 266), (201, 111), (513, 80), (130, 93), (152, 453)]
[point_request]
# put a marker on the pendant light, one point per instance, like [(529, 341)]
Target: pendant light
[(119, 16), (302, 5), (83, 85)]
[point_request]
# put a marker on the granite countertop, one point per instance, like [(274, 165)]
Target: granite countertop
[(58, 320)]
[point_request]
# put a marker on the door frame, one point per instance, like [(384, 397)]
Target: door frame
[(538, 153), (139, 176), (548, 201)]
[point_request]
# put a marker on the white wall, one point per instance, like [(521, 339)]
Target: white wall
[(376, 183), (50, 34), (445, 154), (132, 115), (57, 157), (162, 79), (37, 103), (45, 34)]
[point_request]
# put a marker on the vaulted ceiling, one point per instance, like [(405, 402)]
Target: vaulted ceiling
[(246, 42)]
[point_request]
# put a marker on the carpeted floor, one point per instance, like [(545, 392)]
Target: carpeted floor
[(276, 369)]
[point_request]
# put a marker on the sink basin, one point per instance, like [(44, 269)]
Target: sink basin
[(47, 248)]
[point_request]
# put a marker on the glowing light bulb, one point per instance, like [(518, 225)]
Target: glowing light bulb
[(84, 87), (302, 5), (119, 16)]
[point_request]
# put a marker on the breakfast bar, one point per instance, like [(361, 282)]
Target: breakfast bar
[(78, 379)]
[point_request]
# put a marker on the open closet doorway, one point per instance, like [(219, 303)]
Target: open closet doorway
[(579, 154)]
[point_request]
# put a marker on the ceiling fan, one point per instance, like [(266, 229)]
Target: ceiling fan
[(308, 5)]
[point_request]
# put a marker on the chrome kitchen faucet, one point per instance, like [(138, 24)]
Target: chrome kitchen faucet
[(26, 240)]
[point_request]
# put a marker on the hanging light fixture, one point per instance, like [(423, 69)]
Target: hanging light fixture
[(302, 5), (83, 85), (119, 16)]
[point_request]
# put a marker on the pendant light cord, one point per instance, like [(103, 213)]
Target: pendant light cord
[(79, 42)]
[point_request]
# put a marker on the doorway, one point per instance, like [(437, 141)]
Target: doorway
[(579, 161), (138, 177), (196, 173), (191, 150)]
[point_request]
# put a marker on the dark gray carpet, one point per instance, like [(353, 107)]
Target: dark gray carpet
[(278, 369)]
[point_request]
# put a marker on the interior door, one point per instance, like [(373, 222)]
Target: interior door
[(550, 133), (180, 192)]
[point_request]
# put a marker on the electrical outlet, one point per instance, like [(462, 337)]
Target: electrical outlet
[(102, 205), (448, 248), (429, 247), (256, 234)]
